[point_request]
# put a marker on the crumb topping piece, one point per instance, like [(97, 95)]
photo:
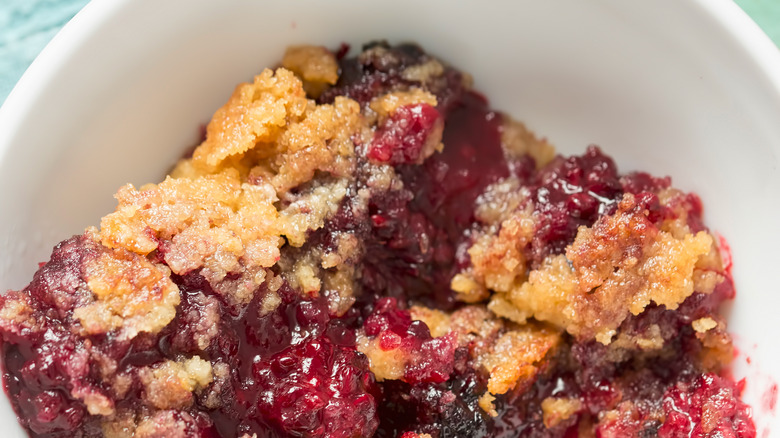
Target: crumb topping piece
[(170, 385), (613, 269), (256, 113), (515, 357), (511, 355), (557, 410), (385, 105), (131, 295), (400, 348), (519, 141), (315, 65), (168, 423), (498, 261), (212, 223)]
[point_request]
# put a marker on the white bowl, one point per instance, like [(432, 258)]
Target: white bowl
[(689, 88)]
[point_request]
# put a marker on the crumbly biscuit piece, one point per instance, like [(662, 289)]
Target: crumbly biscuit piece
[(315, 65), (613, 269), (131, 295), (170, 385), (216, 214)]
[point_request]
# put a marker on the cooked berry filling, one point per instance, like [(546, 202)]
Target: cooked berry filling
[(362, 247)]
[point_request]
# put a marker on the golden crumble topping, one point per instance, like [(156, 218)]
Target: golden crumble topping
[(622, 268), (611, 270), (131, 295), (511, 355), (545, 296), (515, 357), (256, 113), (387, 104), (170, 385), (167, 423), (518, 141), (498, 262), (363, 246), (438, 322), (385, 364), (315, 65), (217, 211), (213, 222), (557, 410)]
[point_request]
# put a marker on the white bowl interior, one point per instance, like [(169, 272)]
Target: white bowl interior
[(664, 86)]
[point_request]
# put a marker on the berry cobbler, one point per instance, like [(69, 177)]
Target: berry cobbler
[(361, 247)]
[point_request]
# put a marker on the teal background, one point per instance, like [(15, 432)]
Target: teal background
[(26, 26)]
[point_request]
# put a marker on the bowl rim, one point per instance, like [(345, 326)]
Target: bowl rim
[(732, 19), (727, 15), (29, 92)]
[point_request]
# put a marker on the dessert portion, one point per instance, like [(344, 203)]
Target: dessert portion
[(361, 247)]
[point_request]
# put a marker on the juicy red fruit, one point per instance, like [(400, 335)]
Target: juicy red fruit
[(295, 371), (403, 136), (317, 389), (709, 406), (569, 193), (428, 359)]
